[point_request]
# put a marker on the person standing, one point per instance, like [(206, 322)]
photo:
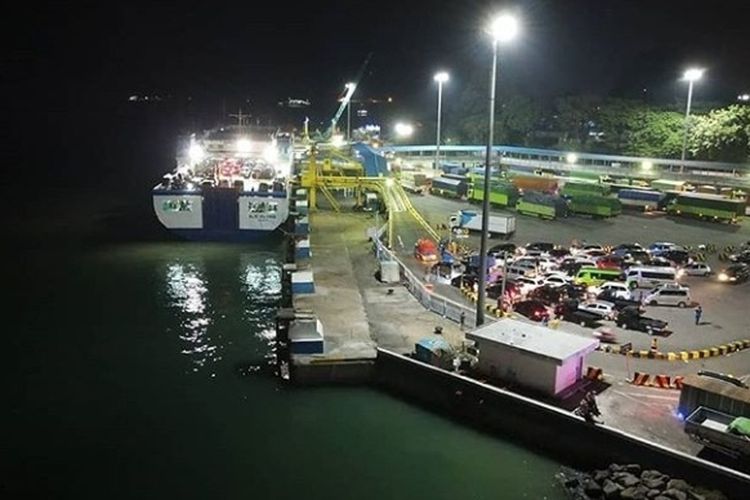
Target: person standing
[(462, 320), (698, 314)]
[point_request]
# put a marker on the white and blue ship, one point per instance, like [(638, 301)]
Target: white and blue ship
[(230, 184)]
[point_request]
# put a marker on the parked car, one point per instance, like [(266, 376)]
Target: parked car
[(609, 262), (741, 258), (502, 250), (532, 309), (573, 291), (677, 257), (547, 294), (697, 269), (557, 279), (669, 295), (465, 280), (526, 285), (625, 248), (661, 246), (618, 289), (568, 310), (631, 318), (559, 253), (659, 262), (604, 309), (639, 257), (541, 246), (736, 273), (620, 304), (511, 291)]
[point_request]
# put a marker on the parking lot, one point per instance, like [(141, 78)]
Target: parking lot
[(724, 305)]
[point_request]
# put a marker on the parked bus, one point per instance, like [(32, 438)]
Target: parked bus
[(594, 276)]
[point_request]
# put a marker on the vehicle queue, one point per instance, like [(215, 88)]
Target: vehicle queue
[(591, 284)]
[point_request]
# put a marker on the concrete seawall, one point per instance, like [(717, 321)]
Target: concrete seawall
[(543, 427)]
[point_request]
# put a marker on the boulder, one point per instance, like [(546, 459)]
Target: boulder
[(616, 468), (654, 483), (632, 493), (675, 494), (653, 474), (633, 468), (653, 493), (626, 479), (678, 484), (592, 488), (611, 489), (601, 475)]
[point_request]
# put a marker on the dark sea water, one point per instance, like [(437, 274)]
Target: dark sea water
[(139, 367)]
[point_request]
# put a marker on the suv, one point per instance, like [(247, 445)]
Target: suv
[(618, 289), (669, 295)]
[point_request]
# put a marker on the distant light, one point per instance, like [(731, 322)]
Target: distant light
[(441, 77), (337, 140), (390, 99), (571, 158), (404, 129), (196, 153), (693, 74), (244, 145), (389, 182), (270, 152), (743, 97), (504, 28), (647, 165), (350, 85)]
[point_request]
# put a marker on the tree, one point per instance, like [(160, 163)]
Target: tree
[(518, 116), (574, 117), (655, 133), (721, 135)]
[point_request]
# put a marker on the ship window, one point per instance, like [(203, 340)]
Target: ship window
[(177, 206)]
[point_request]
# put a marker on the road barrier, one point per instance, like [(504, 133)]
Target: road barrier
[(594, 373), (709, 352)]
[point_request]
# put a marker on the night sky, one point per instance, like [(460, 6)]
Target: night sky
[(66, 56)]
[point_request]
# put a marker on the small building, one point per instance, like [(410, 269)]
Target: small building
[(536, 357), (727, 396)]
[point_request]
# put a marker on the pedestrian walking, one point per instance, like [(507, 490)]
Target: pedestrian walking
[(698, 314)]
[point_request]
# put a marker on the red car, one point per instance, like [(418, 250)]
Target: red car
[(535, 310), (609, 262)]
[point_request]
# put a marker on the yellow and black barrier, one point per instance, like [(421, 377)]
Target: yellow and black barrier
[(709, 352)]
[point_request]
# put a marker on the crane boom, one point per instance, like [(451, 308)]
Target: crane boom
[(350, 88)]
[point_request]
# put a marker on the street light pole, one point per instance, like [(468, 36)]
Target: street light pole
[(349, 121), (486, 190), (503, 29), (691, 75), (440, 78)]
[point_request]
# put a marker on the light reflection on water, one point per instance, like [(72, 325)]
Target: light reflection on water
[(187, 290), (244, 304)]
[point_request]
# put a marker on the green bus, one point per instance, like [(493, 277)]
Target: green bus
[(596, 206), (593, 276), (707, 206), (502, 194)]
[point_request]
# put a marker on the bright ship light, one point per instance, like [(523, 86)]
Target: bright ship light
[(270, 152), (404, 129), (337, 140), (244, 145), (196, 153)]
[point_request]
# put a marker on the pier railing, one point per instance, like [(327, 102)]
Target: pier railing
[(430, 299)]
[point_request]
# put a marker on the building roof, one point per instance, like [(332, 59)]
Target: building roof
[(536, 340)]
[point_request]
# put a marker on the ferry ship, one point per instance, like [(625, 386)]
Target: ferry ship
[(230, 184)]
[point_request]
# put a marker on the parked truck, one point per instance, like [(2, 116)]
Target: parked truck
[(720, 431), (502, 225), (594, 205), (707, 206)]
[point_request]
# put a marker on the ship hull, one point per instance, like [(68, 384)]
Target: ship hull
[(238, 236)]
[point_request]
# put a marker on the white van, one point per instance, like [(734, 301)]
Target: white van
[(650, 276), (669, 295)]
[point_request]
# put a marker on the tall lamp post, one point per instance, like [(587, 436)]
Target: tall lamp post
[(440, 78), (502, 29), (691, 76)]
